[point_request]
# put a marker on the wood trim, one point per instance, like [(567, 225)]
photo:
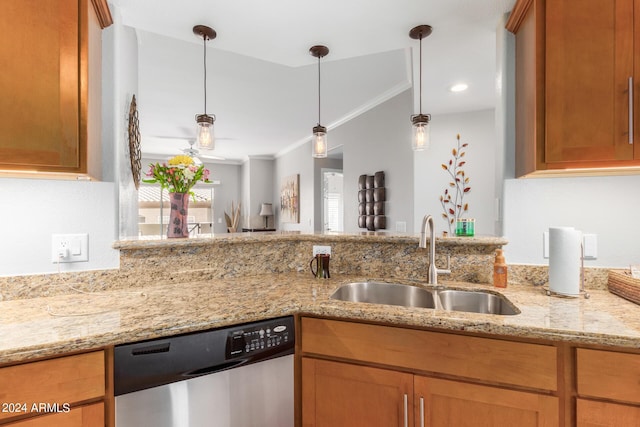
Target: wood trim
[(109, 396), (518, 13), (103, 12)]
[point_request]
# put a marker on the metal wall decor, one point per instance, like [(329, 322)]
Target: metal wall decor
[(371, 200), (134, 143)]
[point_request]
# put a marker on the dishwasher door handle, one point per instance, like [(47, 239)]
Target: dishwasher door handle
[(214, 368)]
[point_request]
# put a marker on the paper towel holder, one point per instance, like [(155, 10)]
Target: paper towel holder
[(582, 291)]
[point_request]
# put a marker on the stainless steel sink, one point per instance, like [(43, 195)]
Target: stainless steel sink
[(385, 293), (413, 296), (476, 302)]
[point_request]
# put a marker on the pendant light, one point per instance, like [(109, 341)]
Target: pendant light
[(421, 128), (319, 142), (205, 136)]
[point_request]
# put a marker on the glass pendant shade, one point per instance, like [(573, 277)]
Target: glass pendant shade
[(206, 138), (421, 130), (319, 144), (421, 138)]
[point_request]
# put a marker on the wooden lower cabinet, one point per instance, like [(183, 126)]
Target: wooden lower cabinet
[(591, 413), (67, 391), (452, 403), (336, 394), (342, 394), (83, 416)]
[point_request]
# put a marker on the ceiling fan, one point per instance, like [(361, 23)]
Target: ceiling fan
[(196, 154)]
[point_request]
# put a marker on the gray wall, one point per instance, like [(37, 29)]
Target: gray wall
[(225, 193), (257, 188), (379, 140)]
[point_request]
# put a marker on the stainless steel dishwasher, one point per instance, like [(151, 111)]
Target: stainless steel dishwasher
[(238, 376)]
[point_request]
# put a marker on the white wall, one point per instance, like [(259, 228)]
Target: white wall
[(297, 161), (606, 206), (120, 83), (478, 130), (33, 210)]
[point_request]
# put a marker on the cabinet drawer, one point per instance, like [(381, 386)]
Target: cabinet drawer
[(609, 375), (83, 416), (63, 380), (605, 414), (484, 359)]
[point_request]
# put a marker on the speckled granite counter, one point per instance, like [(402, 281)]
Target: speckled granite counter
[(47, 326)]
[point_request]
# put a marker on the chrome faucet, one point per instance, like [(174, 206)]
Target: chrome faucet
[(427, 221)]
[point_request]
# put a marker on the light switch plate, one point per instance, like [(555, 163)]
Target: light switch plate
[(545, 244), (590, 245)]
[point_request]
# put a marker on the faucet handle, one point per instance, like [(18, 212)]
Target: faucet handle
[(445, 270)]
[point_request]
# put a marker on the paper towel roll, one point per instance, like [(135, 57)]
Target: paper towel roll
[(565, 260)]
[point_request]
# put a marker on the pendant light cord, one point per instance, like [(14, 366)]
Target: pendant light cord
[(318, 90), (204, 43), (420, 74)]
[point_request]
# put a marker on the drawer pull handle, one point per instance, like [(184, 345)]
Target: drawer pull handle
[(406, 409), (421, 411), (630, 110)]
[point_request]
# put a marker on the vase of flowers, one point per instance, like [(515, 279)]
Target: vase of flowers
[(178, 175)]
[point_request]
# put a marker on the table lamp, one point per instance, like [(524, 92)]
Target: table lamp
[(266, 211)]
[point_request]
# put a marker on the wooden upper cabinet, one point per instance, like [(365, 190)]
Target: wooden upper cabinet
[(575, 82), (50, 85)]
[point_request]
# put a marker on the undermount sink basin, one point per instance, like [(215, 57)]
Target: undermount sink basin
[(476, 302), (413, 296), (385, 293)]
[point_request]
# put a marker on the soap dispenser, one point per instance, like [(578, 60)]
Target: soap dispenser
[(500, 270)]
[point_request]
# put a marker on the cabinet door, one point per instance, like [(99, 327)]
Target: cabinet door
[(598, 414), (458, 404), (588, 63), (340, 394), (83, 416)]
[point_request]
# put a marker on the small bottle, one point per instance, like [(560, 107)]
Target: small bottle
[(499, 270)]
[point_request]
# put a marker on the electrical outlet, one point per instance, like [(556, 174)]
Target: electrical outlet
[(69, 248), (324, 250)]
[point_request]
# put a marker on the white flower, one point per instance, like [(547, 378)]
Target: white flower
[(188, 174)]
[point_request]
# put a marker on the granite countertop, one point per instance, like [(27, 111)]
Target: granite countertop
[(48, 326)]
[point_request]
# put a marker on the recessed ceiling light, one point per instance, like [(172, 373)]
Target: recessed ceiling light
[(460, 87)]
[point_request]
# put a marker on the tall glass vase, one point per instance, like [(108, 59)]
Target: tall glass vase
[(178, 222)]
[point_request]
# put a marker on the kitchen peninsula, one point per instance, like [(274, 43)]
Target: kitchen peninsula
[(173, 286)]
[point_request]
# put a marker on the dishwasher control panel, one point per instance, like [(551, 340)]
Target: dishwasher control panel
[(262, 337)]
